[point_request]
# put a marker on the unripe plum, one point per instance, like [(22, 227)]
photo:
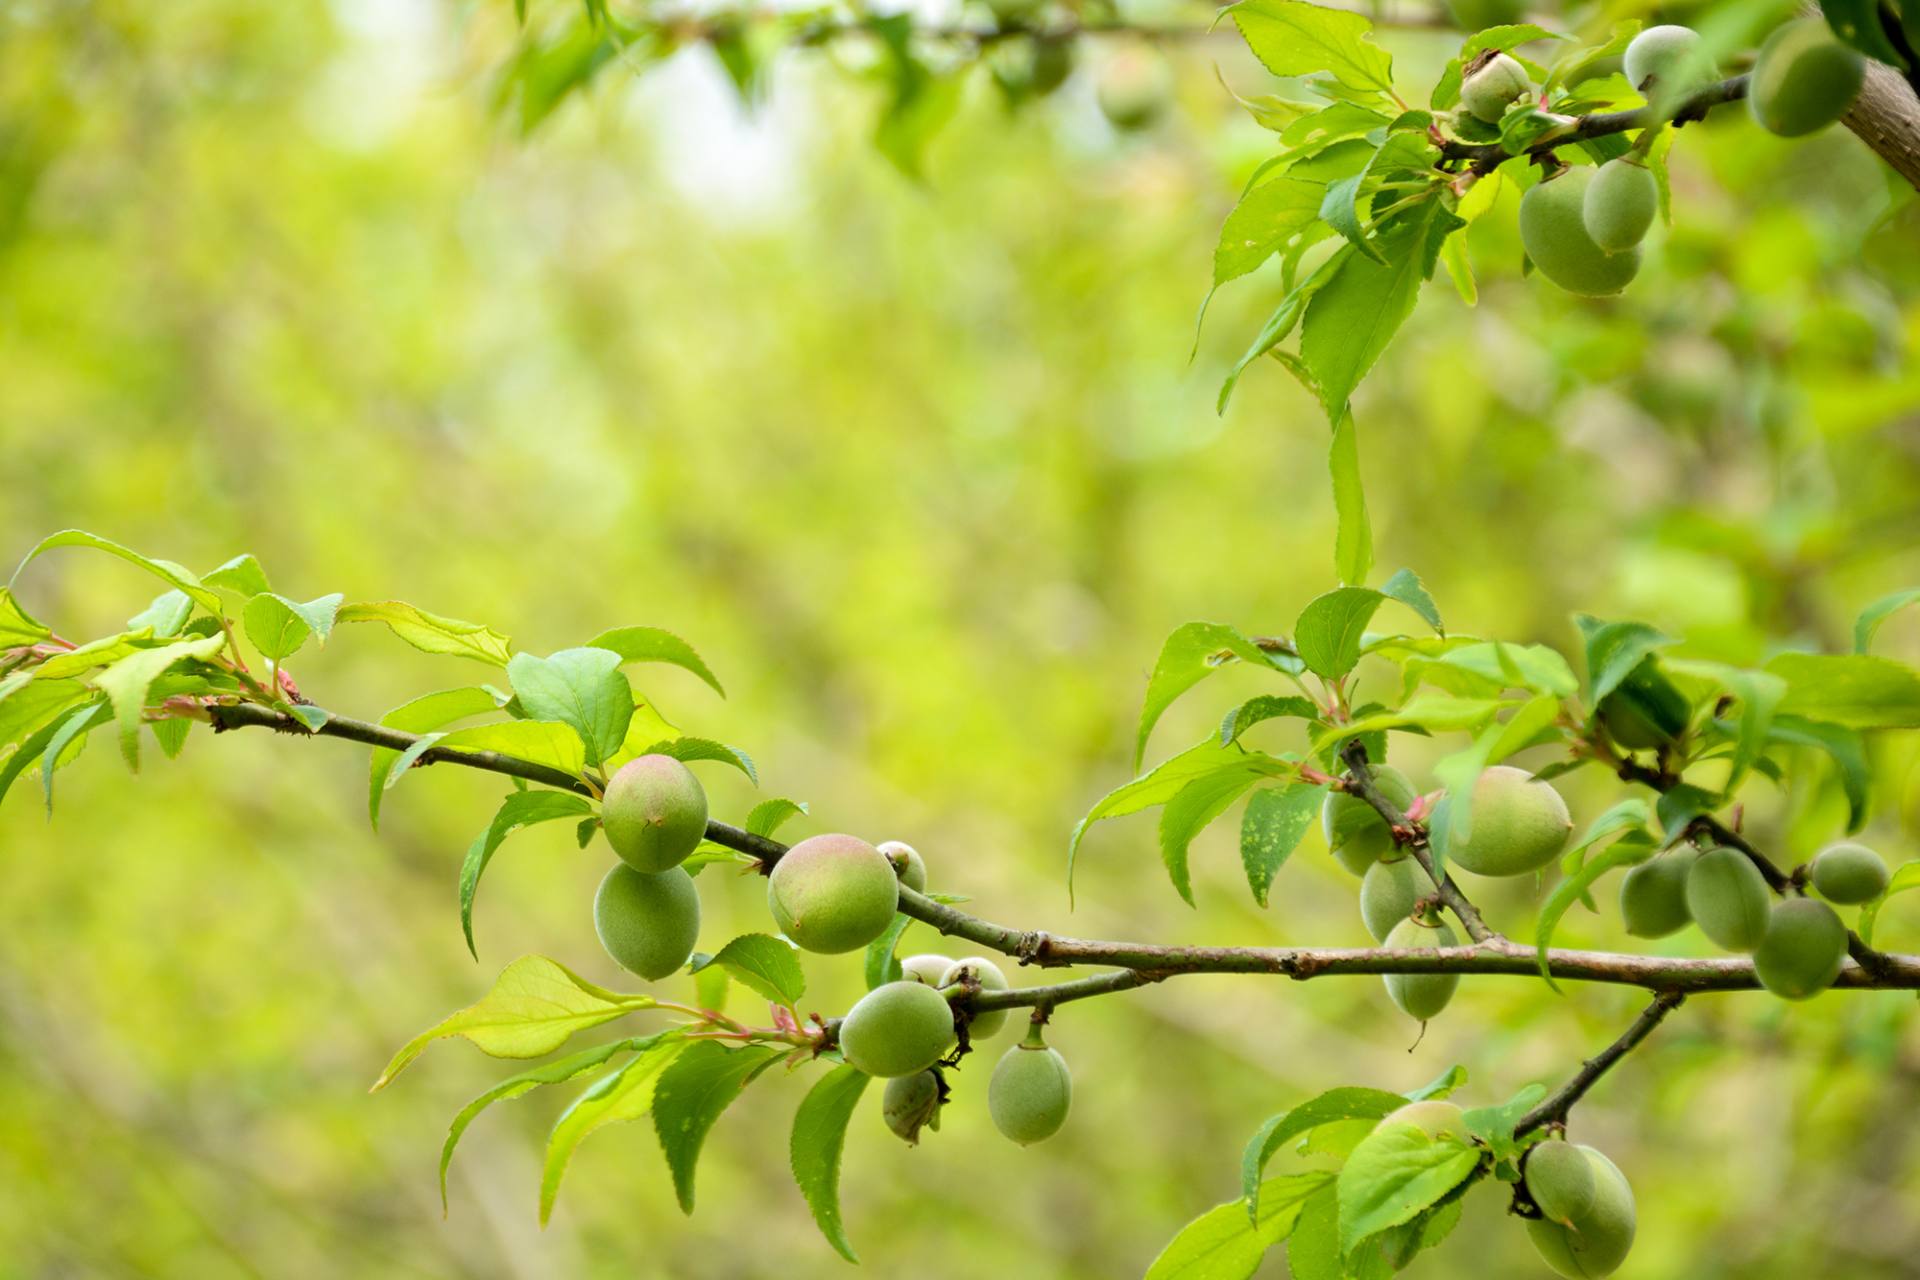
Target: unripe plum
[(1421, 995), (1599, 1240), (654, 813), (1849, 873), (1645, 711), (1388, 892), (1666, 61), (1728, 898), (833, 893), (1355, 831), (986, 973), (1803, 950), (906, 862), (1494, 86), (1619, 206), (1561, 1180), (1518, 824), (912, 1103), (927, 969), (1436, 1117), (1803, 79), (648, 923), (1134, 88), (1031, 1092), (897, 1030), (1653, 896), (1553, 230)]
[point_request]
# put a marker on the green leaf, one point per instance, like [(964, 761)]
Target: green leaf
[(694, 1090), (103, 652), (278, 626), (622, 1095), (1266, 218), (1757, 694), (1627, 819), (1397, 1171), (688, 750), (1353, 538), (27, 703), (1292, 38), (427, 712), (766, 817), (1349, 1102), (1281, 322), (1223, 1244), (126, 682), (67, 740), (1270, 831), (173, 575), (1864, 628), (1849, 756), (1406, 587), (164, 617), (1193, 652), (1313, 1250), (559, 1071), (241, 575), (17, 626), (1614, 649), (34, 745), (535, 1005), (1328, 632), (765, 965), (431, 633), (1857, 22), (1854, 690), (171, 735), (881, 965), (521, 809), (1199, 803), (1494, 1125), (1266, 706), (651, 644), (581, 688), (545, 742), (1905, 877), (819, 1134)]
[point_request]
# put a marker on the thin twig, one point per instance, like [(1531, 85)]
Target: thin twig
[(1555, 1107), (1414, 836)]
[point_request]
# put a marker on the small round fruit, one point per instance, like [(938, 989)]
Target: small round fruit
[(1849, 873), (1561, 1180), (1646, 711), (1598, 1241), (833, 893), (654, 813), (1667, 60), (1517, 824), (907, 863), (1494, 86), (897, 1030), (1804, 79), (1420, 995), (648, 923), (1030, 1093), (910, 1104), (987, 974), (1554, 233), (1803, 950), (1435, 1116), (1653, 896), (1620, 205), (926, 969), (1728, 898), (1052, 64), (1388, 892), (1355, 831), (1134, 88)]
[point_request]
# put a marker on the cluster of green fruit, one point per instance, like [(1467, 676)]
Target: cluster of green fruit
[(1582, 227), (1133, 84), (1798, 944), (829, 894), (1518, 825)]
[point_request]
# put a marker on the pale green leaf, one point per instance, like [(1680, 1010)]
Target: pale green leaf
[(1193, 652), (619, 1096), (127, 680), (651, 644), (172, 574), (429, 711), (1223, 1244), (582, 688), (1270, 831)]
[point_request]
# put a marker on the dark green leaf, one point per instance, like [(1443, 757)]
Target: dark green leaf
[(765, 965), (1199, 803), (126, 683), (1328, 632), (1275, 821), (691, 749), (1406, 587), (819, 1134), (766, 817), (881, 964), (693, 1091), (625, 1094), (429, 711), (1349, 1102), (1397, 1171), (168, 572)]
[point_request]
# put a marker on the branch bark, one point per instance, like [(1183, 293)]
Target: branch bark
[(1554, 1108)]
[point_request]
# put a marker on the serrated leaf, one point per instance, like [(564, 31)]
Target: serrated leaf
[(427, 712), (241, 575), (171, 735), (1349, 1102), (1327, 634), (1849, 755), (819, 1134), (66, 743), (1397, 1171), (1281, 322), (17, 626), (545, 742), (1198, 803), (1614, 649), (278, 626), (1406, 587), (619, 1096), (765, 965), (766, 817), (1293, 38), (688, 750), (521, 809), (34, 745), (1854, 690), (431, 633), (535, 1005), (1271, 829), (1193, 652), (1223, 1244), (1266, 706), (699, 1085), (1353, 536), (125, 684), (880, 965), (581, 688), (1267, 217), (173, 575), (652, 644)]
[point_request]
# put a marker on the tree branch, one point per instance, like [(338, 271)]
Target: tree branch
[(1554, 1108), (1485, 155), (1414, 837)]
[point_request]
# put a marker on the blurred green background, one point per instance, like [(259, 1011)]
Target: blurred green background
[(925, 473)]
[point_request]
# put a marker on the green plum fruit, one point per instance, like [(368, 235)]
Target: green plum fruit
[(1561, 1180), (1388, 892), (1803, 79), (1031, 1091), (1494, 85), (1517, 824), (1667, 62), (1849, 873), (1553, 230), (987, 974), (1598, 1241), (1728, 898), (912, 1103), (1645, 711), (897, 1030), (654, 813), (648, 923), (833, 893), (906, 862), (927, 969), (1421, 995), (1804, 948), (1134, 88), (1653, 896), (1619, 206), (1357, 834)]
